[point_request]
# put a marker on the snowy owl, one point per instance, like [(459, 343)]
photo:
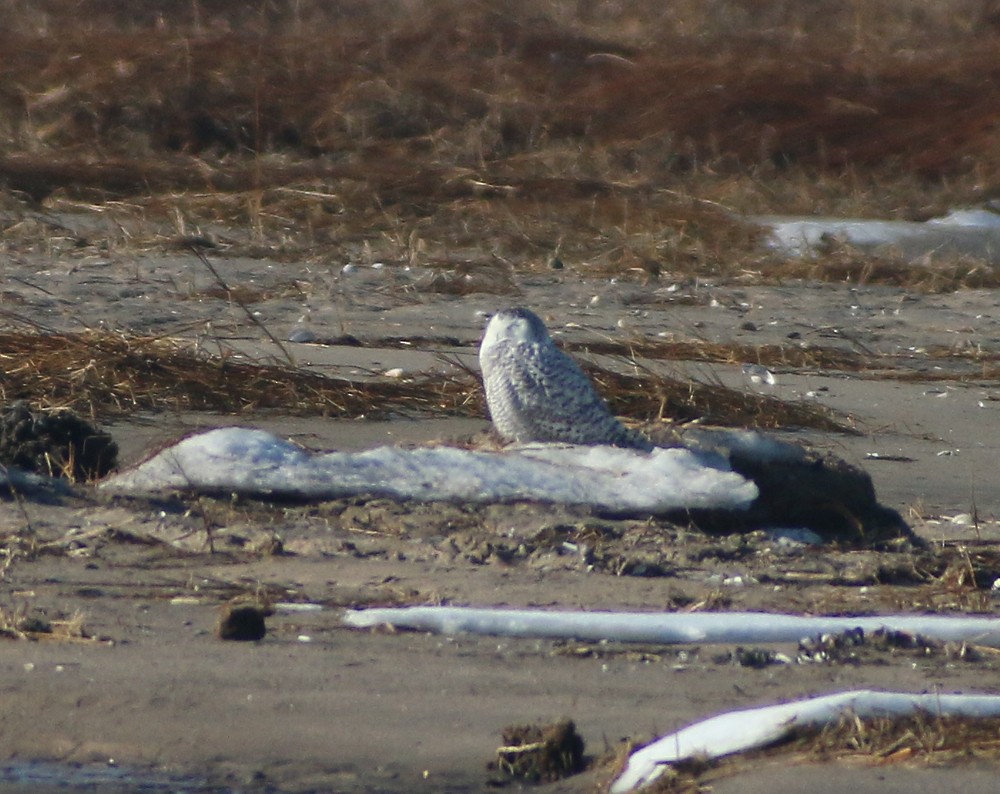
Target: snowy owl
[(535, 392)]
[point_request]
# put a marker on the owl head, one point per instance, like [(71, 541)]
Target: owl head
[(515, 326)]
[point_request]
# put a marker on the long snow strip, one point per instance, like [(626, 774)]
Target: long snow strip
[(670, 627), (738, 731)]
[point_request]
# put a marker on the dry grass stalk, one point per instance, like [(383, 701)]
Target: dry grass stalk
[(813, 358)]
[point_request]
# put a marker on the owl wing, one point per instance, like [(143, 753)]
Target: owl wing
[(564, 404)]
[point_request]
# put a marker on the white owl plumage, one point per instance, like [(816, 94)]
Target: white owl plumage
[(535, 392)]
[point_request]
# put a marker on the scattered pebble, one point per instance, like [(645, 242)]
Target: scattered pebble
[(757, 374), (795, 537), (302, 335)]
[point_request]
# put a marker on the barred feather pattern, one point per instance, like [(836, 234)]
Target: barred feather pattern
[(535, 392)]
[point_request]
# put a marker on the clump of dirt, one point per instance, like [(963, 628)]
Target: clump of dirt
[(242, 622), (58, 443), (541, 752)]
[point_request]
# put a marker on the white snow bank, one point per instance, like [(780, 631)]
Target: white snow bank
[(737, 731), (254, 462), (672, 627), (973, 232)]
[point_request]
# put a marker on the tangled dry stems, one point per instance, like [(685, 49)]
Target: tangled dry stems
[(103, 374)]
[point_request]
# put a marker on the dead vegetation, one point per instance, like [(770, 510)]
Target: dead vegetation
[(541, 753), (630, 139), (103, 374), (925, 737), (18, 622)]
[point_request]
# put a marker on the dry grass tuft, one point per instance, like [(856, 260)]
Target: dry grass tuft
[(18, 623), (931, 739)]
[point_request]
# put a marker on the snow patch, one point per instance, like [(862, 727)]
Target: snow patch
[(671, 627), (973, 232), (254, 462)]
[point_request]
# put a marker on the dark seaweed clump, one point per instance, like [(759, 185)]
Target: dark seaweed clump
[(57, 443)]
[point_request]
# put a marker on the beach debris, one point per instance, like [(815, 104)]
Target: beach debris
[(242, 622), (541, 753), (58, 443)]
